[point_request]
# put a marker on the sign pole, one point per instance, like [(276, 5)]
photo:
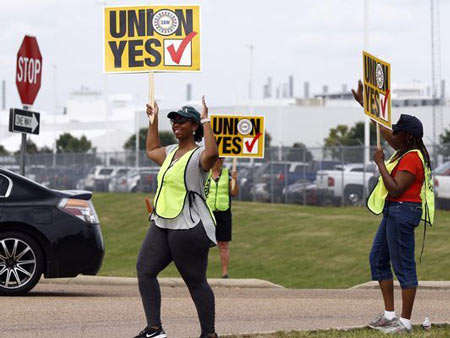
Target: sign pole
[(378, 136), (151, 93), (233, 170), (23, 148)]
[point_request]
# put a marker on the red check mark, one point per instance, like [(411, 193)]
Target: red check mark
[(250, 145), (177, 54), (383, 103)]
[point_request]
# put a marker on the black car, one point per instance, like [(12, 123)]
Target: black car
[(306, 192), (45, 231)]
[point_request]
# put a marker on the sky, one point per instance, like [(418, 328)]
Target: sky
[(317, 41)]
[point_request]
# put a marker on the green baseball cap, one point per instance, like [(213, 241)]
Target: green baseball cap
[(188, 112), (193, 114)]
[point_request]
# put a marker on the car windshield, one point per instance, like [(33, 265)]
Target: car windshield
[(122, 171), (105, 171), (28, 179)]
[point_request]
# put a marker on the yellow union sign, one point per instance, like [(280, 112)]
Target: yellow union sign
[(152, 38), (239, 136), (377, 89)]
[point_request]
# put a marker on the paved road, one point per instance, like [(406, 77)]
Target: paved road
[(88, 311)]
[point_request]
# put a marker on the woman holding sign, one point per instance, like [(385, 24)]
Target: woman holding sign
[(220, 187), (404, 194), (182, 227)]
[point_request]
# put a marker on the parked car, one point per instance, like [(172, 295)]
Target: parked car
[(45, 231), (442, 185), (346, 182), (305, 192), (272, 177), (135, 180), (98, 177)]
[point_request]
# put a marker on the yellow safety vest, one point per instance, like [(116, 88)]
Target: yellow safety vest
[(377, 198), (218, 192), (171, 193)]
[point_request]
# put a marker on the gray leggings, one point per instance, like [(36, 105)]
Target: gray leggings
[(189, 251)]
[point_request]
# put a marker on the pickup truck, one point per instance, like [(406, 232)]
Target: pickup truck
[(345, 183), (442, 185)]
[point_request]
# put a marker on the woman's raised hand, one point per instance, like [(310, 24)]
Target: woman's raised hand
[(204, 114), (358, 94)]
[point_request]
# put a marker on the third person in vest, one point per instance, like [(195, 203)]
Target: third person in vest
[(220, 187), (404, 194)]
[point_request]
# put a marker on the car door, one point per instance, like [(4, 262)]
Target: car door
[(5, 190)]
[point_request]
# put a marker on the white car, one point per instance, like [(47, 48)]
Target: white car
[(442, 185), (135, 180), (99, 176)]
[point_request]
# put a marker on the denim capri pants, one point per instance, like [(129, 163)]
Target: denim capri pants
[(394, 243)]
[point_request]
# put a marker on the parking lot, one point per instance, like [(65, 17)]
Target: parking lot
[(320, 176)]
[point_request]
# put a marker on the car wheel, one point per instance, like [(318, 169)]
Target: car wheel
[(353, 196), (21, 263)]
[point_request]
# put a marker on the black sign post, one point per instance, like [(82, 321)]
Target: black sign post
[(25, 122)]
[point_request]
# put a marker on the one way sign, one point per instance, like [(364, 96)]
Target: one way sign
[(24, 121)]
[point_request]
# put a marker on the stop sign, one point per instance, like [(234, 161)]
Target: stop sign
[(28, 70)]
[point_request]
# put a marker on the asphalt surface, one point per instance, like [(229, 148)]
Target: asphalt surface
[(110, 311)]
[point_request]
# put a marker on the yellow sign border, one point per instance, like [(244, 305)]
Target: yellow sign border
[(262, 146), (173, 69)]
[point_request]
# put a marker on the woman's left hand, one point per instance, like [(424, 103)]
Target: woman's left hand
[(378, 157), (204, 114)]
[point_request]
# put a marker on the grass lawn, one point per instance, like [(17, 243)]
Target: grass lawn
[(438, 331), (291, 245)]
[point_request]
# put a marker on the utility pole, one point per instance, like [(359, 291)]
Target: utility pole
[(435, 75), (3, 95), (367, 119), (250, 80)]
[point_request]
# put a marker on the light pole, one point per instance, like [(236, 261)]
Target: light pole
[(367, 119), (250, 79)]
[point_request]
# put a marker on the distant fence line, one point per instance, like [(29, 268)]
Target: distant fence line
[(311, 176)]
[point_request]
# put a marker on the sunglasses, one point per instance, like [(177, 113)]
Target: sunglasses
[(180, 120)]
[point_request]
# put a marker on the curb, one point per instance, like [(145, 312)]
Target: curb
[(423, 285), (163, 282)]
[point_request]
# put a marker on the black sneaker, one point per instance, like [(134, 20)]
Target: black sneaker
[(209, 335), (149, 332)]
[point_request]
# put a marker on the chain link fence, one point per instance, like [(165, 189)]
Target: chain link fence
[(320, 176)]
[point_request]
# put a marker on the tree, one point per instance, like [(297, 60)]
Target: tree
[(46, 150), (444, 144), (165, 137), (296, 153), (342, 135), (3, 151), (267, 139), (67, 143), (31, 147)]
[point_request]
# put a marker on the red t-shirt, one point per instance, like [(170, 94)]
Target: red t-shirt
[(411, 163)]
